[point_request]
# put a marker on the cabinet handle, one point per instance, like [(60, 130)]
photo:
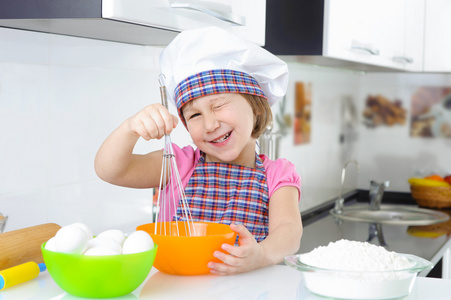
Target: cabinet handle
[(367, 49), (221, 15), (403, 59)]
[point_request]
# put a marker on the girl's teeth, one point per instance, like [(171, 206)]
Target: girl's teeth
[(222, 139)]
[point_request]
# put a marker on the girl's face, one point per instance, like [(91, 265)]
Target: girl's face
[(221, 126)]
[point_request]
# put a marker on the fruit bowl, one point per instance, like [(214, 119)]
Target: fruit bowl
[(98, 276), (182, 254), (431, 196), (339, 284)]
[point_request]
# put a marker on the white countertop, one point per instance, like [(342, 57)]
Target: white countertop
[(274, 282)]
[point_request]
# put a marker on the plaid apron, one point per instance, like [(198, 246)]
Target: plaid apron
[(226, 193)]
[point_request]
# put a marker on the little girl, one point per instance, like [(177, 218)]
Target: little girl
[(222, 87)]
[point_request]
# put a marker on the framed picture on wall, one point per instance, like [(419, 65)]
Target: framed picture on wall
[(381, 111), (431, 112), (302, 113)]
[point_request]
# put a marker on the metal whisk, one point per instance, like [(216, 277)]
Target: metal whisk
[(171, 189)]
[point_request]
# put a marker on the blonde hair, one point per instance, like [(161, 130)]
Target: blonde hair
[(262, 114)]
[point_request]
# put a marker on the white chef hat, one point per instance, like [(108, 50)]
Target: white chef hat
[(211, 60)]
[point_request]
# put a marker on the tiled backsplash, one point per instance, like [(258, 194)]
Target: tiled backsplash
[(61, 96)]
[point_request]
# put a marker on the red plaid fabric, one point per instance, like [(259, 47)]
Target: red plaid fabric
[(226, 193), (215, 82)]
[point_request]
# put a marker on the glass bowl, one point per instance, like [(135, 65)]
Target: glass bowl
[(359, 285)]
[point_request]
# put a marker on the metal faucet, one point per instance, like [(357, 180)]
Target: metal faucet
[(376, 194), (339, 203)]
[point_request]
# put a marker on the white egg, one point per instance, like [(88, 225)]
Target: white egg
[(50, 245), (101, 251), (71, 239), (104, 242), (114, 234), (85, 229), (138, 241)]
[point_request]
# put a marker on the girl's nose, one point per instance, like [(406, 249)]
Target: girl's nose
[(210, 122)]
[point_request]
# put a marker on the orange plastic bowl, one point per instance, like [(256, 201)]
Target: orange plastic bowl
[(182, 254)]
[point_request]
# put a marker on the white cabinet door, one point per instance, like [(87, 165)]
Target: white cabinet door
[(372, 32), (437, 44), (412, 58), (255, 13), (245, 18)]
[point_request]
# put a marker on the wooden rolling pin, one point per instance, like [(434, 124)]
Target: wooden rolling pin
[(24, 245)]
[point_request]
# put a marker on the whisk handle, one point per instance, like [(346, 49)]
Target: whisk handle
[(163, 94)]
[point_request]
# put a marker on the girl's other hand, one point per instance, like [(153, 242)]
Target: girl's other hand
[(153, 122), (243, 258)]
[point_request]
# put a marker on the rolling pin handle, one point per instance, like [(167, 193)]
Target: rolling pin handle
[(19, 274)]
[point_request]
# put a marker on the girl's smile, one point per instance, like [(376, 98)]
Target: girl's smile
[(221, 127), (223, 139)]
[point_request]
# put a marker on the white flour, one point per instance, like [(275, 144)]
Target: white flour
[(369, 271), (348, 255)]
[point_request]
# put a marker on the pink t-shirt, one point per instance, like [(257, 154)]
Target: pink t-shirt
[(279, 172)]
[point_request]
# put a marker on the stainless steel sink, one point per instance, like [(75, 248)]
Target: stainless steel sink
[(391, 214)]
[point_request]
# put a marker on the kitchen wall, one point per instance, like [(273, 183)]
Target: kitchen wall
[(390, 153), (61, 96), (59, 99), (383, 153)]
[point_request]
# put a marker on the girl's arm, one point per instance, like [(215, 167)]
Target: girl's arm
[(285, 231), (115, 161)]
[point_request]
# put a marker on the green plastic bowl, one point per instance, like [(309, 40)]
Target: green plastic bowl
[(99, 276)]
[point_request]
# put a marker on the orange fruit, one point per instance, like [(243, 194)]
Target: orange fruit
[(435, 177)]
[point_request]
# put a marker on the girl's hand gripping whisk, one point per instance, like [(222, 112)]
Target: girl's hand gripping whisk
[(154, 121)]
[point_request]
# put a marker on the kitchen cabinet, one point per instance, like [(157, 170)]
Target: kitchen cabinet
[(437, 45), (142, 22), (245, 18), (366, 35), (386, 33)]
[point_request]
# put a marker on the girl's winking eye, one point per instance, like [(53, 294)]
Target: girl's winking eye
[(218, 106), (220, 103)]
